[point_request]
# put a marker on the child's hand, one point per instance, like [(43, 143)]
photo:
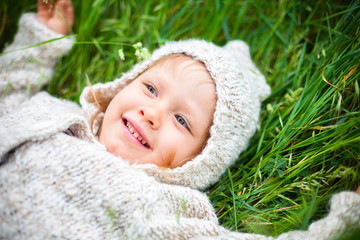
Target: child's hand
[(358, 190), (58, 15)]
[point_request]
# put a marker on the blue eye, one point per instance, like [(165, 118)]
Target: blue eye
[(151, 89), (182, 121)]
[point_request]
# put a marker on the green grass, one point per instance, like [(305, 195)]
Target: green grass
[(308, 146)]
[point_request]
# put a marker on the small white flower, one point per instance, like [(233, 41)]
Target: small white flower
[(121, 54), (144, 53), (137, 53), (137, 45)]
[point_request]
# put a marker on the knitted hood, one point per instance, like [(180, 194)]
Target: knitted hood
[(239, 88)]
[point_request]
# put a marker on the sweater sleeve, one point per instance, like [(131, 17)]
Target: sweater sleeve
[(27, 64)]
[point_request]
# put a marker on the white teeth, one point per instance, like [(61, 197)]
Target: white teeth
[(131, 129), (136, 134)]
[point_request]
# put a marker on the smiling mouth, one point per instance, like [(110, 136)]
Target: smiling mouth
[(136, 134)]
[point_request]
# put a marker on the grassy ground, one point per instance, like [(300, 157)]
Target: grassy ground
[(308, 146)]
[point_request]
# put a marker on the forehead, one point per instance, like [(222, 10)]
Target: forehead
[(183, 71)]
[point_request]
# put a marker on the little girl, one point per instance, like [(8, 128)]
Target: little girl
[(130, 163)]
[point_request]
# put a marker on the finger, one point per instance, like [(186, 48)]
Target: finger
[(60, 8), (41, 5), (45, 8), (45, 5), (64, 14), (358, 190), (65, 8), (69, 13)]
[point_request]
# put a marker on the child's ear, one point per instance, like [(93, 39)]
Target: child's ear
[(238, 48), (241, 51)]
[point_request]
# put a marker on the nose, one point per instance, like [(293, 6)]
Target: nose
[(151, 115)]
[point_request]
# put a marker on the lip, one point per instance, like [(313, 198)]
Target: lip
[(131, 137)]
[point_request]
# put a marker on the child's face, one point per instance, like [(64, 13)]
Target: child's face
[(163, 116)]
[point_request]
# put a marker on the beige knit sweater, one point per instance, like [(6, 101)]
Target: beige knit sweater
[(56, 186)]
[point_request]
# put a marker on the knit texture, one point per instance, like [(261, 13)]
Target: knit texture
[(24, 70), (56, 186), (80, 191)]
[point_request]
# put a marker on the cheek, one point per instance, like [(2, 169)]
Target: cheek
[(178, 147), (184, 153), (193, 146), (109, 139), (113, 108), (168, 146)]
